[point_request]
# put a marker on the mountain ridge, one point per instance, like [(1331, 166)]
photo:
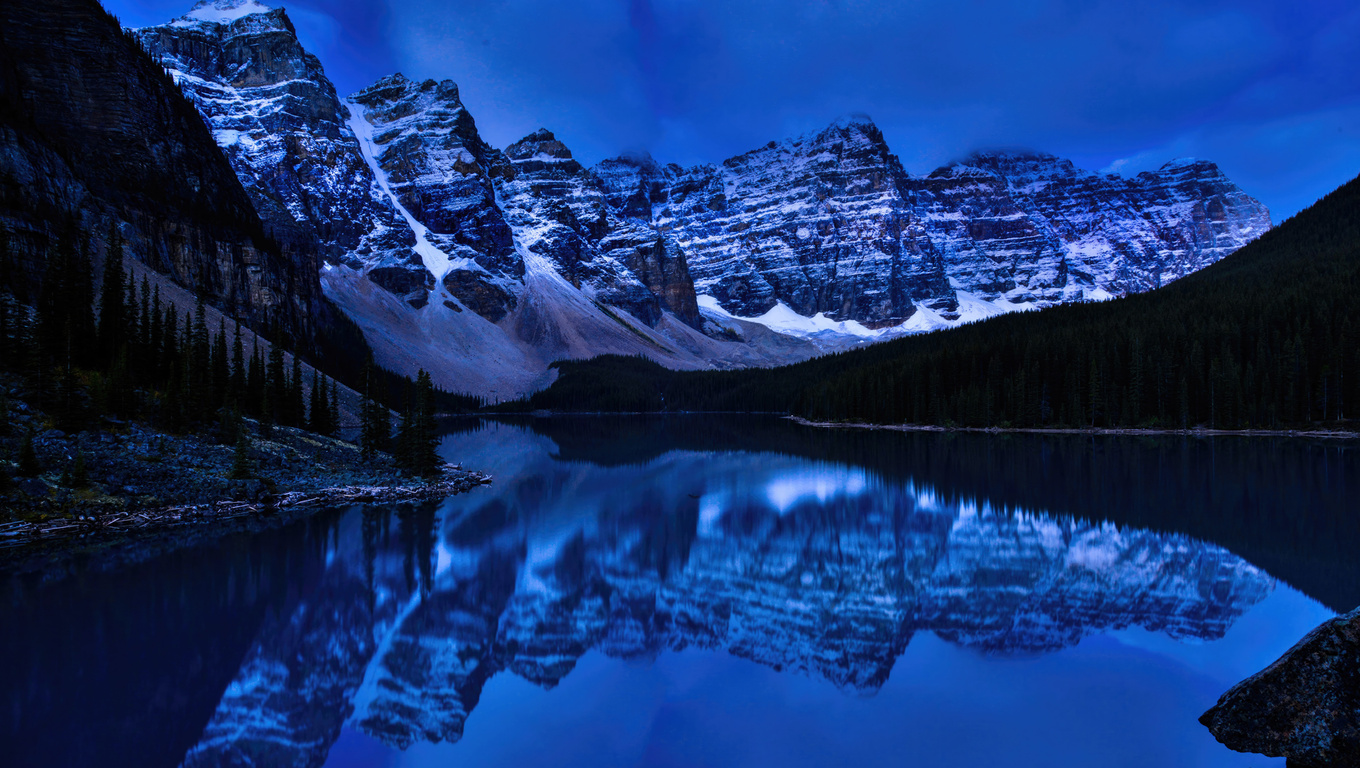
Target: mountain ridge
[(803, 246)]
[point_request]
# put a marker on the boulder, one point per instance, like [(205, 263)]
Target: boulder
[(1305, 706)]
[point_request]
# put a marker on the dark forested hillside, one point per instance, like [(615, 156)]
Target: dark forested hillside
[(96, 138), (1266, 338)]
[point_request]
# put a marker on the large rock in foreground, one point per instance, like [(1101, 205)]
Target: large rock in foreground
[(1305, 706)]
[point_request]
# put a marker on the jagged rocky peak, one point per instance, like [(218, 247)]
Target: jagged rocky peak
[(426, 144), (279, 121), (1012, 163), (634, 183), (558, 212), (541, 151), (222, 11), (1025, 228), (817, 223), (101, 139)]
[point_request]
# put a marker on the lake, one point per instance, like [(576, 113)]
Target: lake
[(709, 590)]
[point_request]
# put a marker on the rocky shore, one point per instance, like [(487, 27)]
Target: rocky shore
[(1304, 707), (114, 483)]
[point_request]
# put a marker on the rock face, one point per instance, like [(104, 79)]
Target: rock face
[(279, 121), (559, 212), (830, 223), (433, 163), (504, 261), (818, 223), (1305, 706), (1030, 229), (94, 135)]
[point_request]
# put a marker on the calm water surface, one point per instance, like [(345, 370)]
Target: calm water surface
[(709, 591)]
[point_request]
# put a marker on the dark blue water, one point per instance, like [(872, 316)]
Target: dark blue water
[(709, 591)]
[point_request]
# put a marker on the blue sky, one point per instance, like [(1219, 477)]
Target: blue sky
[(1268, 90)]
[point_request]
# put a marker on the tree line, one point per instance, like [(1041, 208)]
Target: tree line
[(129, 355), (1266, 338)]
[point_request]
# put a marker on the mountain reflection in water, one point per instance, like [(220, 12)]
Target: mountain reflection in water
[(637, 542)]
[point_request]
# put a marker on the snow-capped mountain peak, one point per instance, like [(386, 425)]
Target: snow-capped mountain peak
[(222, 11), (484, 266)]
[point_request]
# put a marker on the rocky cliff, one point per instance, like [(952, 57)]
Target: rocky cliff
[(279, 121), (817, 223), (93, 134), (830, 223), (431, 160), (492, 264), (1029, 229)]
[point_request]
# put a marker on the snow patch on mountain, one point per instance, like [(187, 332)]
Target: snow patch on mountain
[(221, 11), (435, 260)]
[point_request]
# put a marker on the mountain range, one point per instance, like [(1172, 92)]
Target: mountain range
[(486, 265)]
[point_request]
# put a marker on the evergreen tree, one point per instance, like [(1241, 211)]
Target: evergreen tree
[(81, 329), (155, 355), (236, 388), (112, 298), (144, 358), (424, 457), (170, 345), (75, 475), (201, 395), (220, 366), (333, 405), (242, 468), (375, 424), (317, 412), (69, 407), (403, 450), (28, 458), (56, 329), (276, 388), (267, 411), (297, 404), (255, 382), (121, 389), (229, 425)]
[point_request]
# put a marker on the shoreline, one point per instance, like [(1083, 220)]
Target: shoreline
[(28, 545), (1333, 434), (1127, 431)]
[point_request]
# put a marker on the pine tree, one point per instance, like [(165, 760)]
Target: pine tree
[(375, 423), (297, 404), (81, 327), (404, 449), (276, 388), (170, 346), (255, 382), (201, 373), (425, 459), (112, 298), (237, 386), (333, 404), (155, 354), (317, 410), (242, 468), (221, 366), (145, 358), (76, 476), (28, 458)]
